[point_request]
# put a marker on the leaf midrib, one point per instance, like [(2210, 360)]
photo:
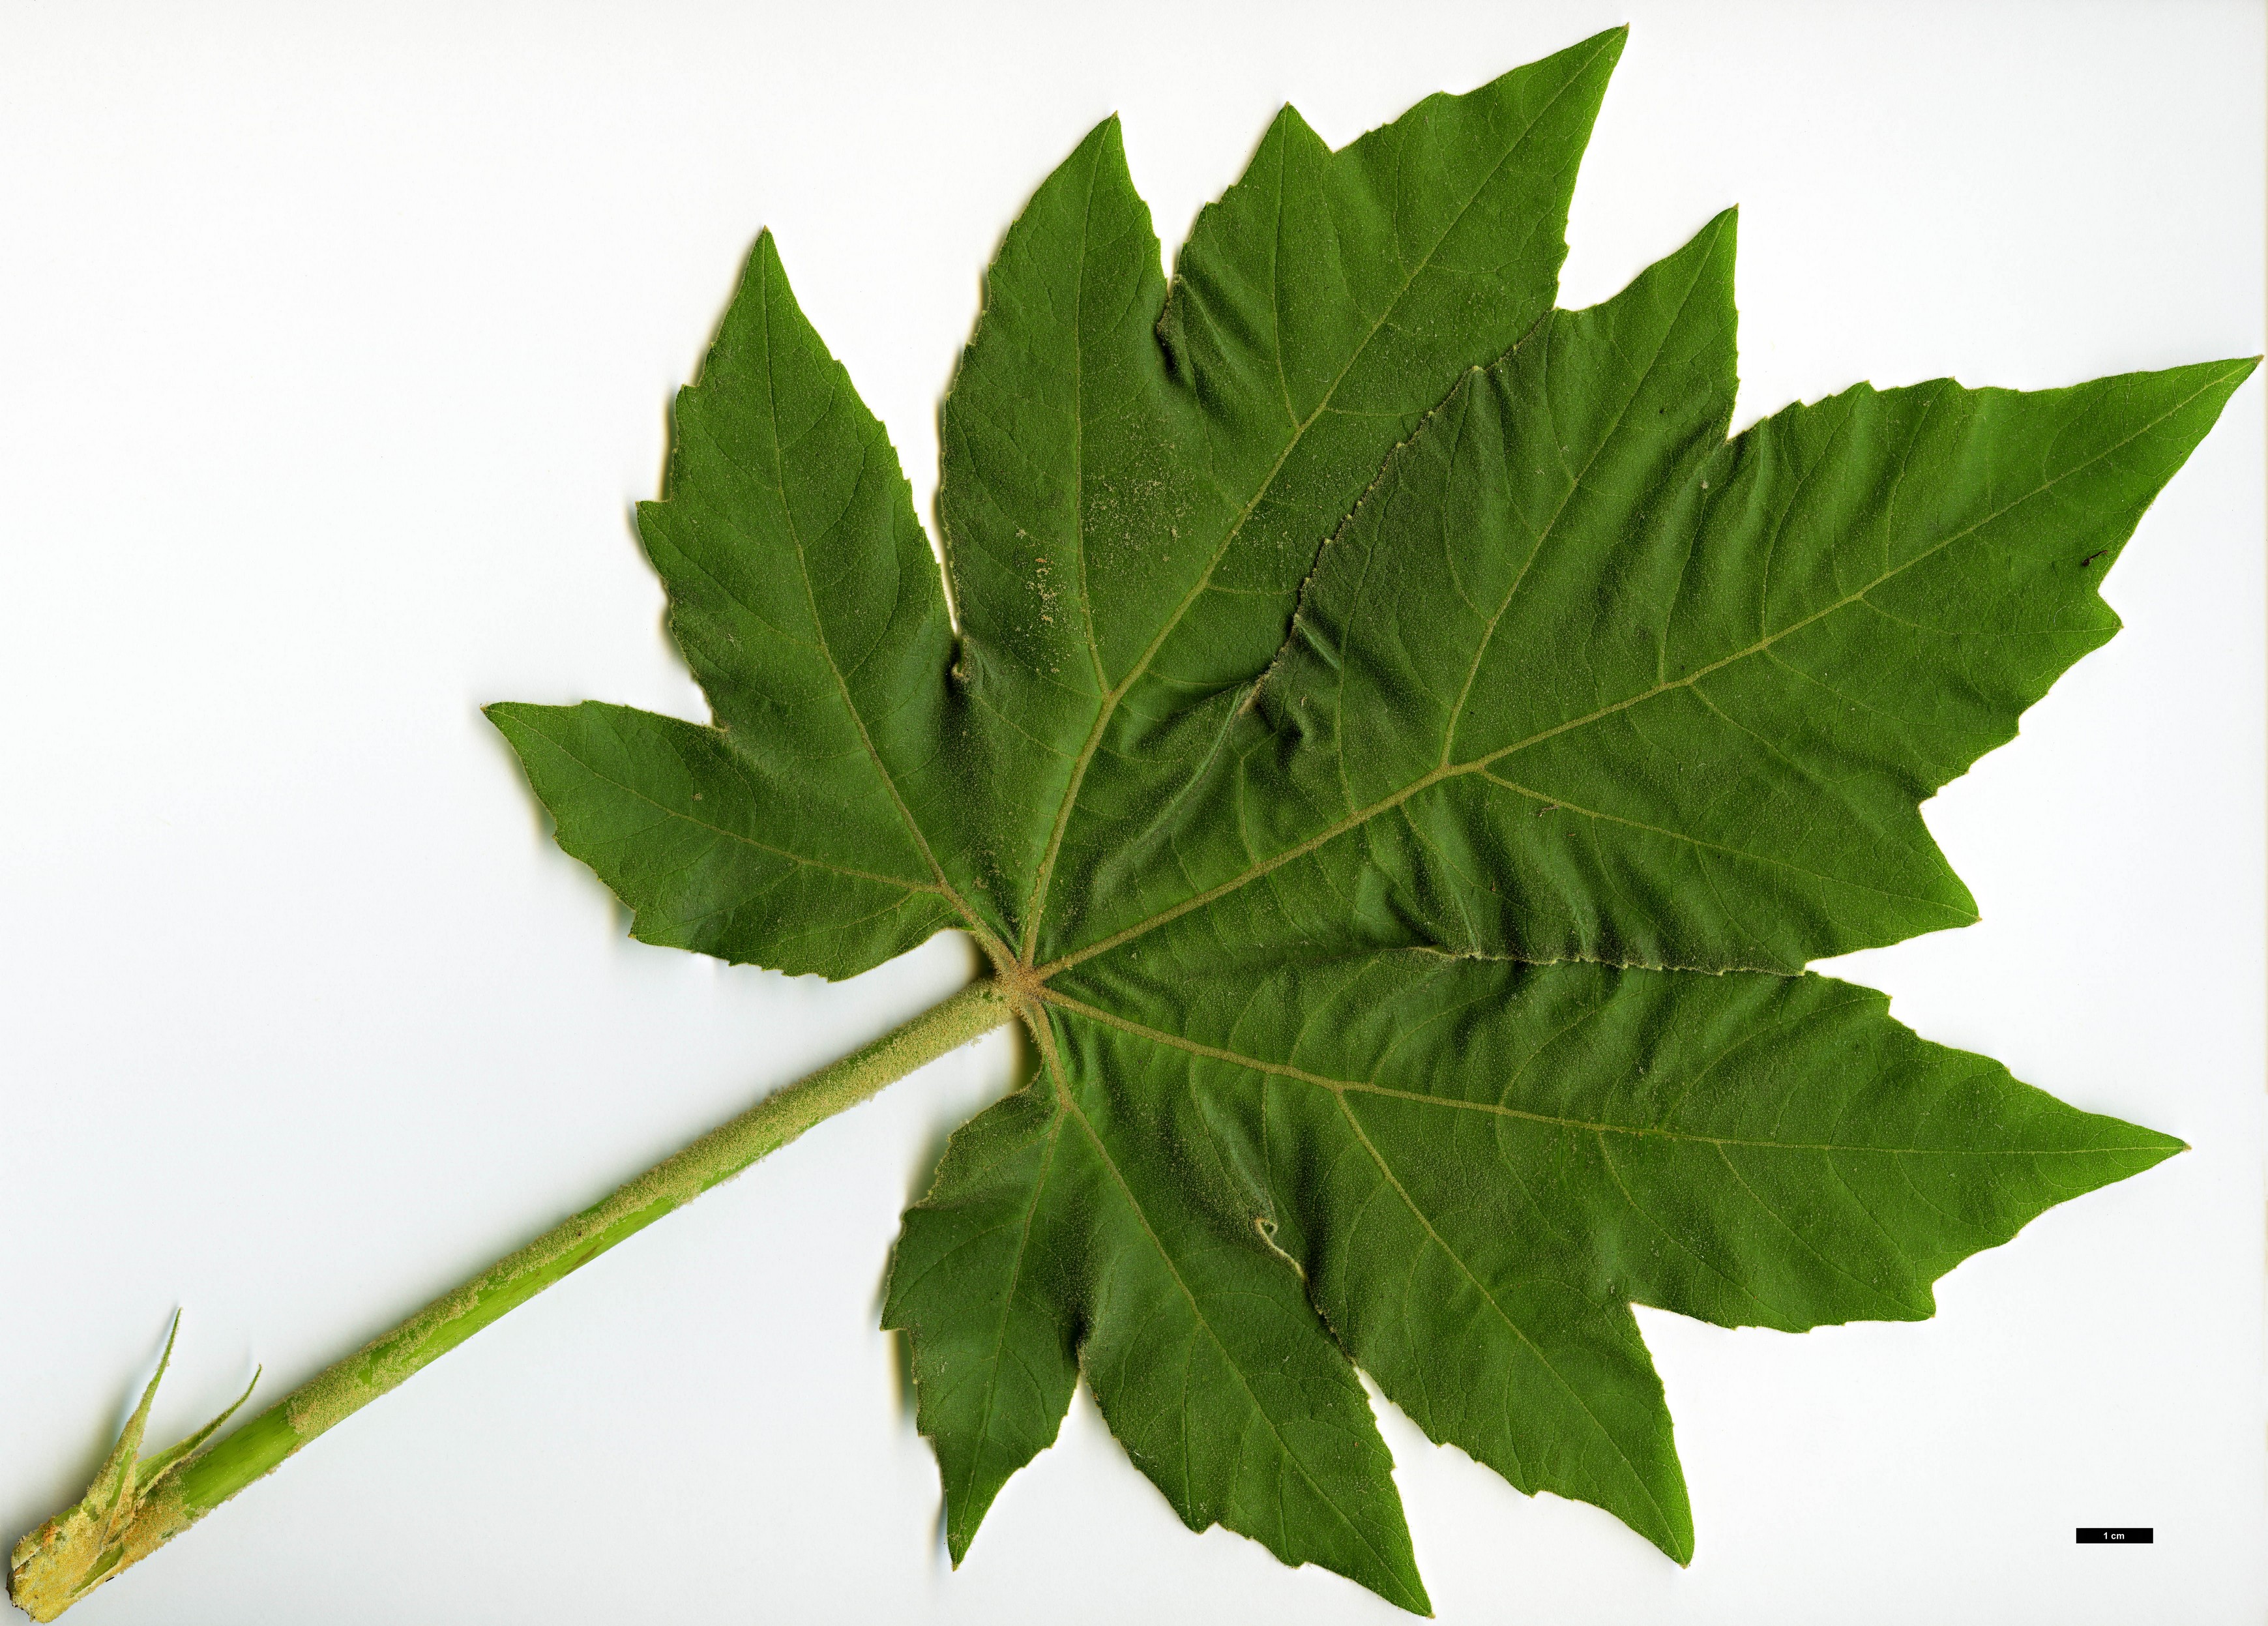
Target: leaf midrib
[(1008, 1302), (664, 808), (1365, 1086), (1551, 529), (840, 380), (1036, 901)]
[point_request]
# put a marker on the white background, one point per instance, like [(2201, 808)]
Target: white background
[(335, 343)]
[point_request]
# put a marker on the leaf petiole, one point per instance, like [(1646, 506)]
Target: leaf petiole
[(138, 1504)]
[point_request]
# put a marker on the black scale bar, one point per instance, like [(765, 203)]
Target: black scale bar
[(2144, 1534)]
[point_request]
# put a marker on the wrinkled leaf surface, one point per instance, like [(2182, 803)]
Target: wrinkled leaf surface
[(1403, 756)]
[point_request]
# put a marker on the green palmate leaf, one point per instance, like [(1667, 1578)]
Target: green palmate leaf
[(1399, 758)]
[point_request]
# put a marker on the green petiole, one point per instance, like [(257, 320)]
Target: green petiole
[(137, 1504)]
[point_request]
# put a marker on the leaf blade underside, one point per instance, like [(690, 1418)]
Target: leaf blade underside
[(1666, 726), (805, 598), (1403, 756), (1203, 438)]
